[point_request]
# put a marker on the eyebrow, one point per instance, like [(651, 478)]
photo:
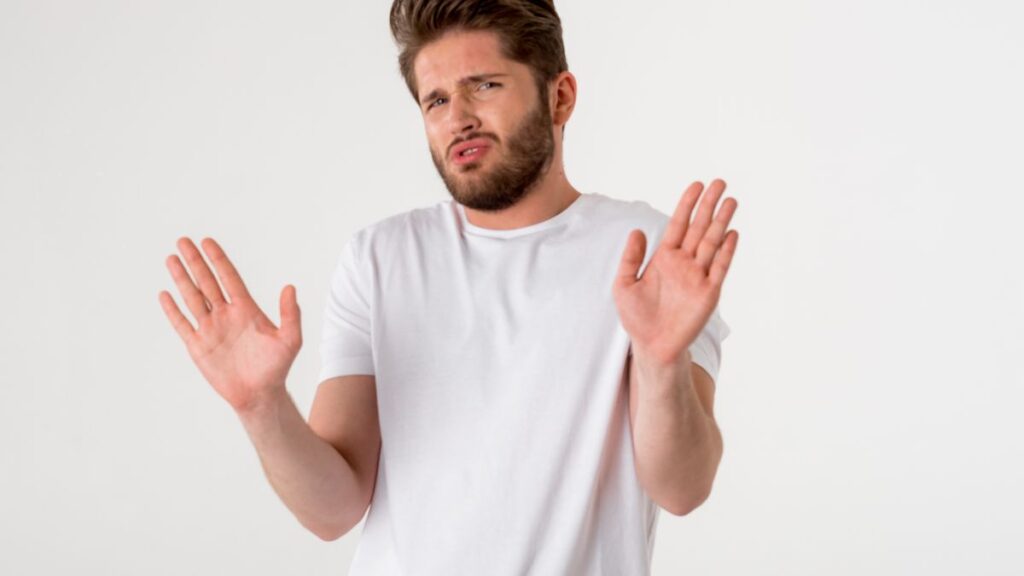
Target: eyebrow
[(462, 82)]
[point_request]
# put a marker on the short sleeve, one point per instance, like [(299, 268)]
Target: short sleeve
[(345, 346), (706, 350)]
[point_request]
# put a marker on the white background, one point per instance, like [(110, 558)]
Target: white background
[(870, 391)]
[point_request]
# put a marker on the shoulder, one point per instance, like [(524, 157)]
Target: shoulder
[(624, 215), (635, 209), (398, 229)]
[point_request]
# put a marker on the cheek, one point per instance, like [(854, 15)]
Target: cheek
[(503, 122), (434, 139)]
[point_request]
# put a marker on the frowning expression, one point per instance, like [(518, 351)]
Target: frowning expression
[(489, 130)]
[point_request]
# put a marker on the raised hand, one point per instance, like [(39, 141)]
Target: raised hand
[(239, 351), (665, 309)]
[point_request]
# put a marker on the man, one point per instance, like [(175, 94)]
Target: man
[(502, 391)]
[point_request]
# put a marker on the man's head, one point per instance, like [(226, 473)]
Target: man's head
[(482, 74)]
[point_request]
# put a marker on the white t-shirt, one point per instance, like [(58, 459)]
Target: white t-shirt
[(499, 360)]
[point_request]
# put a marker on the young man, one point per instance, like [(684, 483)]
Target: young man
[(515, 380)]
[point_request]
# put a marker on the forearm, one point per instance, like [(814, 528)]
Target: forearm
[(311, 477), (677, 445)]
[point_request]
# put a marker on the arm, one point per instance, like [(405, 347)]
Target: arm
[(324, 471), (677, 443)]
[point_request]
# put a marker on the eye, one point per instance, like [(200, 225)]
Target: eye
[(435, 102), (488, 83)]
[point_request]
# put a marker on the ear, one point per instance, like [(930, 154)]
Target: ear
[(563, 98)]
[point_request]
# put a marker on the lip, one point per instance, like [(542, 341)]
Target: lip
[(481, 143)]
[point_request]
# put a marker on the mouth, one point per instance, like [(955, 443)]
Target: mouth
[(469, 151)]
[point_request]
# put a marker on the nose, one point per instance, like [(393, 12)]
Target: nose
[(461, 116)]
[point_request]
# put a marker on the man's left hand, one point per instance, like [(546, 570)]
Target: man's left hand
[(665, 309)]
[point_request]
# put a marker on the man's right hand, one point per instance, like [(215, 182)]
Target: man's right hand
[(239, 351)]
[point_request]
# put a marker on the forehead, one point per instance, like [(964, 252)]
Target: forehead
[(459, 54)]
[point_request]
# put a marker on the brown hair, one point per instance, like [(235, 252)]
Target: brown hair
[(530, 32)]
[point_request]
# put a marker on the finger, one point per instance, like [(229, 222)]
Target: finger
[(291, 322), (181, 324), (632, 258), (193, 297), (197, 265), (703, 219), (677, 225), (226, 271), (720, 265), (716, 233)]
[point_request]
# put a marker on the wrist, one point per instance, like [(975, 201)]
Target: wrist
[(262, 406), (660, 379), (656, 361)]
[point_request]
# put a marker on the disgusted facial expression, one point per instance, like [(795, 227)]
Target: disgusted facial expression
[(488, 124)]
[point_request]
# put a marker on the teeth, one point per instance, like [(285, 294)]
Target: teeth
[(470, 151)]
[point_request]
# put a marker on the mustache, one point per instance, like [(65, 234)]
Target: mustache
[(472, 136)]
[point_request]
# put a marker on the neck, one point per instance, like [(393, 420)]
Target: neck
[(552, 194)]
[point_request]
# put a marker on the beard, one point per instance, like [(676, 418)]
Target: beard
[(530, 149)]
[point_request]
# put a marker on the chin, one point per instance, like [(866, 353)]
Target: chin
[(467, 171)]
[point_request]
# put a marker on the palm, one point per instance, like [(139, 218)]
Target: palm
[(239, 351), (665, 309)]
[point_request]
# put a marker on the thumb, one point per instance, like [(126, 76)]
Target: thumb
[(632, 258), (291, 322)]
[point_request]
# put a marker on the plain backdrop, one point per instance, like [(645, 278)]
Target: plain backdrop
[(870, 392)]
